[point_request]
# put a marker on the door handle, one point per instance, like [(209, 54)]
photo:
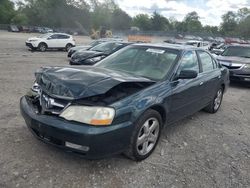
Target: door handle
[(201, 83)]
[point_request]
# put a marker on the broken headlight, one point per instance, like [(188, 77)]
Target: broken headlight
[(95, 59), (35, 87), (246, 66), (89, 114)]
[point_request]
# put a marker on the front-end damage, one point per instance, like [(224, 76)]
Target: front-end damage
[(57, 88)]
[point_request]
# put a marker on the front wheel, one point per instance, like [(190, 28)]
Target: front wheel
[(42, 47), (214, 105), (145, 136), (68, 46)]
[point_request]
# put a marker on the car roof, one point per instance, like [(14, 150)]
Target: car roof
[(169, 46), (59, 34)]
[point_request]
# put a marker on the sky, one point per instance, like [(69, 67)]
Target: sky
[(210, 11)]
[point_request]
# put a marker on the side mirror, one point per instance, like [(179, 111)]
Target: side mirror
[(49, 38), (187, 74)]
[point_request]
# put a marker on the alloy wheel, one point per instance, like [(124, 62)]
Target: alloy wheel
[(147, 136), (218, 99)]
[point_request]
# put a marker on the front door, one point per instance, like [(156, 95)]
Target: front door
[(186, 93)]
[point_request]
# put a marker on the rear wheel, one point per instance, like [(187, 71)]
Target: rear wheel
[(42, 47), (214, 105), (145, 136), (68, 46)]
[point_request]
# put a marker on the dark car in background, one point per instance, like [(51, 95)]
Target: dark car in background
[(121, 104), (13, 28), (97, 53), (237, 59), (92, 44)]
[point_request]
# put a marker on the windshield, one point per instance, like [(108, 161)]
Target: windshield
[(106, 47), (94, 43), (238, 51), (150, 62)]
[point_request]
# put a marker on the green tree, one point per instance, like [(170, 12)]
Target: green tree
[(242, 14), (192, 22), (120, 20), (244, 27), (7, 11), (159, 22), (142, 21), (213, 30), (229, 23)]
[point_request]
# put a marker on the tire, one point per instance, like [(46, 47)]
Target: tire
[(42, 47), (215, 104), (145, 136), (68, 46)]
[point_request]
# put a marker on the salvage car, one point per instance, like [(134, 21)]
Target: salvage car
[(97, 53), (51, 41), (121, 104), (91, 45), (237, 59)]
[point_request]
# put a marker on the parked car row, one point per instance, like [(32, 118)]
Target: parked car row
[(29, 29)]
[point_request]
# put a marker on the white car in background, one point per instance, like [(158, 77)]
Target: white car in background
[(51, 41), (200, 44)]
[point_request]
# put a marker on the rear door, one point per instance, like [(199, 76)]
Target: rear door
[(210, 76), (63, 40), (186, 93)]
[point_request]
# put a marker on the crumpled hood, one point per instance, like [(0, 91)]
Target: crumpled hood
[(76, 83), (82, 55), (233, 59)]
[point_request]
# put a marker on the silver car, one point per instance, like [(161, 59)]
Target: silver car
[(237, 59)]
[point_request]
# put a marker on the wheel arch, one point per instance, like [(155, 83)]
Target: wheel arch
[(160, 109)]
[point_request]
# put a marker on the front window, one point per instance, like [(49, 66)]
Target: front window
[(106, 47), (189, 62), (150, 62), (238, 51)]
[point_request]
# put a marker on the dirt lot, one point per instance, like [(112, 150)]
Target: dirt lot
[(201, 151)]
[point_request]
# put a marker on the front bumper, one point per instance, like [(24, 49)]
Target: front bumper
[(239, 75), (70, 53), (30, 45), (96, 142)]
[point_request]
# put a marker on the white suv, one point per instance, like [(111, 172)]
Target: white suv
[(51, 40)]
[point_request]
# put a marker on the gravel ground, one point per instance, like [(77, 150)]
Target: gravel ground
[(203, 150)]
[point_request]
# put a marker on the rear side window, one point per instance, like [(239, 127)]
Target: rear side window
[(189, 62), (63, 36), (206, 61)]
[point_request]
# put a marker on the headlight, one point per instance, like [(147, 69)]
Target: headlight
[(35, 87), (32, 40), (94, 59), (246, 66), (89, 114)]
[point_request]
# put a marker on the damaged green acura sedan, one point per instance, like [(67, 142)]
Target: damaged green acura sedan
[(121, 104)]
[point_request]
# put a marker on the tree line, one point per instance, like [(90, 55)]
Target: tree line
[(93, 14)]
